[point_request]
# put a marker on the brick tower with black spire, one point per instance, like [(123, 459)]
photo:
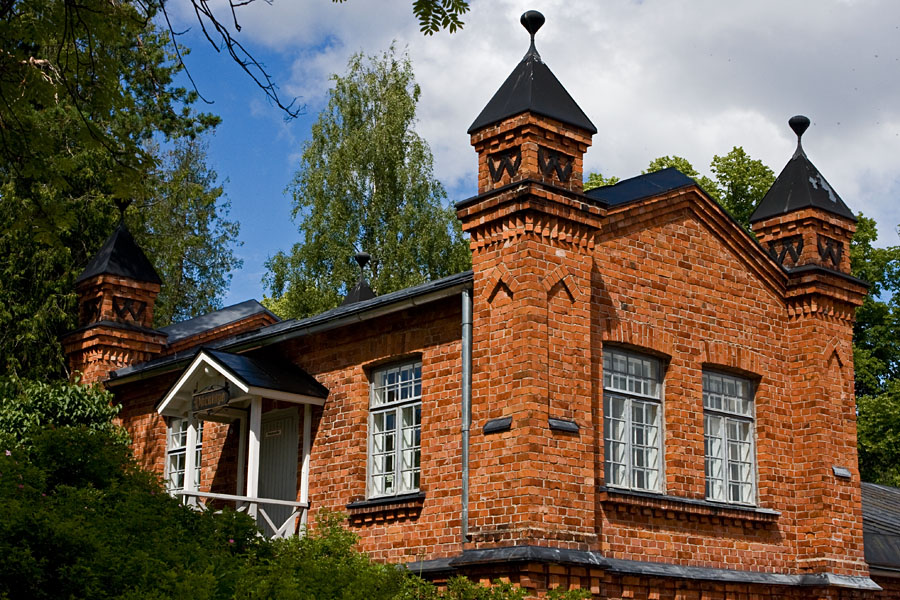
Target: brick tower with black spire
[(116, 296)]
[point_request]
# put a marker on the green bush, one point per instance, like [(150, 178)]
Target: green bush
[(78, 519), (27, 407)]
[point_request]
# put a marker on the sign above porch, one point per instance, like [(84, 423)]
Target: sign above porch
[(216, 380)]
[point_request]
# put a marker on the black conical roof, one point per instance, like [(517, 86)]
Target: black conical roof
[(800, 185), (120, 255), (532, 87)]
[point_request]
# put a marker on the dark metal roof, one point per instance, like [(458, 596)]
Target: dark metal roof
[(219, 318), (120, 255), (642, 186), (532, 87), (269, 374), (361, 291), (881, 525), (800, 185), (298, 327)]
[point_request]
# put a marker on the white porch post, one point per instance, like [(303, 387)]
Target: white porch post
[(253, 451), (190, 458), (242, 456), (304, 471)]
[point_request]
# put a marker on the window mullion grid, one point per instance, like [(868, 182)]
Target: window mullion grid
[(398, 449), (629, 443)]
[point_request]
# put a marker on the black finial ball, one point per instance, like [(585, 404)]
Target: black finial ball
[(362, 259), (799, 124), (532, 21)]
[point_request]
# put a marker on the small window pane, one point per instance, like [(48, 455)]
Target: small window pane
[(396, 435), (632, 420), (728, 438)]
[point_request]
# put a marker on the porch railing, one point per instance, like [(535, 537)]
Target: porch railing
[(254, 507)]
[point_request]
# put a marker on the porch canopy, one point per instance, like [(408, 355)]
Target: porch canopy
[(224, 387)]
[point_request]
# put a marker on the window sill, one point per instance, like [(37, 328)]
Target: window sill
[(386, 508), (689, 509)]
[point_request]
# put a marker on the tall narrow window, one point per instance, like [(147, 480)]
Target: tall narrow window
[(395, 430), (728, 436), (175, 454), (632, 402)]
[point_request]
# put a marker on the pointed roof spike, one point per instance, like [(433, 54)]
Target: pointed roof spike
[(799, 124), (120, 255), (532, 87), (800, 185), (532, 21)]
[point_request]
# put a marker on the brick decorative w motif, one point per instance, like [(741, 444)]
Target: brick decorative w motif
[(830, 249), (90, 310), (507, 160), (125, 307), (789, 246), (550, 161)]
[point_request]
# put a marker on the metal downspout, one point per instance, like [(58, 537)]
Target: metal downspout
[(466, 405)]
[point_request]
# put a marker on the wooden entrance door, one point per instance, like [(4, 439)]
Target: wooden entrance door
[(278, 463)]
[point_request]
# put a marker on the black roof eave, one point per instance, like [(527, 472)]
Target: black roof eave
[(286, 330)]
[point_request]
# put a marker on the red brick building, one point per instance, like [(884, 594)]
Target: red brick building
[(627, 393)]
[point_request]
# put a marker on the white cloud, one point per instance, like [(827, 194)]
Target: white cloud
[(656, 77)]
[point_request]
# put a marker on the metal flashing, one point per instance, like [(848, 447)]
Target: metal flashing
[(497, 425), (563, 425)]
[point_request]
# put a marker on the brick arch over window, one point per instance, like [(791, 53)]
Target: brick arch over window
[(723, 354), (638, 335)]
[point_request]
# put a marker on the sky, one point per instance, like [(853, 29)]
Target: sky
[(657, 77)]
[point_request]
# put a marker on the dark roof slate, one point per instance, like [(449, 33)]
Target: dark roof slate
[(120, 255), (881, 525), (299, 326), (532, 87), (642, 186), (800, 185), (269, 374), (218, 318)]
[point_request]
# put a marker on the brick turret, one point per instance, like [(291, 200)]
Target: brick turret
[(807, 228), (532, 233), (802, 220), (531, 128), (116, 296)]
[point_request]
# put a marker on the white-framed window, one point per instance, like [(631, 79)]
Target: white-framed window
[(632, 417), (395, 430), (728, 438), (175, 453)]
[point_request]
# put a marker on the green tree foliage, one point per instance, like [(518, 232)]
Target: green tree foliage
[(739, 182), (876, 355), (84, 88), (876, 333), (27, 407), (182, 225), (79, 519), (366, 183), (684, 165), (437, 15), (596, 180)]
